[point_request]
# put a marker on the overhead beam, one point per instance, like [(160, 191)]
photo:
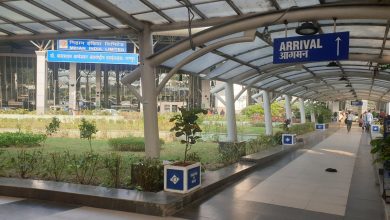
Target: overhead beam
[(117, 13)]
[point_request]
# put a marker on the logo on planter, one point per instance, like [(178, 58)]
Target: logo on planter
[(288, 139), (320, 126), (193, 177), (375, 128), (175, 179)]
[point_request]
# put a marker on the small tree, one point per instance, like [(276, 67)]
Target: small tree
[(87, 129), (185, 124), (53, 126)]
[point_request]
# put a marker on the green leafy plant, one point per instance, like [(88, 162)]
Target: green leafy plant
[(25, 161), (87, 130), (147, 175), (84, 166), (186, 125), (53, 126), (231, 152), (55, 164), (113, 163), (20, 139), (381, 147), (128, 143)]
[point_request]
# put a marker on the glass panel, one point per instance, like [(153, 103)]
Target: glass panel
[(239, 34), (90, 8), (286, 3), (39, 27), (291, 73), (263, 61), (3, 34), (364, 50), (235, 72), (316, 64), (202, 63), (234, 49), (299, 76), (282, 34), (324, 68), (176, 59), (200, 1), (352, 21), (14, 29), (359, 30), (32, 10), (302, 3), (248, 6), (365, 42), (224, 67), (92, 23), (386, 52), (216, 9), (179, 14), (65, 25), (6, 13), (361, 63), (152, 17), (2, 22), (131, 7), (256, 54), (115, 22), (161, 4), (63, 8), (268, 80)]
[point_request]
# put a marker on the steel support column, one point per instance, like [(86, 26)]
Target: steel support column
[(149, 102), (230, 113), (287, 106), (267, 113), (41, 89), (98, 89), (72, 86), (302, 110)]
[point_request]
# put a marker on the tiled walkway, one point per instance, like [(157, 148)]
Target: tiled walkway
[(295, 187)]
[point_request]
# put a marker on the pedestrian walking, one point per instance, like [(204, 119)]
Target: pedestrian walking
[(349, 121)]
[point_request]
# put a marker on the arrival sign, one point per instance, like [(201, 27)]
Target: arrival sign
[(322, 47)]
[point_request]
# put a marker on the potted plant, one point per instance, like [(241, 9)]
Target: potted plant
[(324, 116), (184, 176)]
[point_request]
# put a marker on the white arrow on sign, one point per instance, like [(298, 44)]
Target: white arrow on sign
[(338, 45)]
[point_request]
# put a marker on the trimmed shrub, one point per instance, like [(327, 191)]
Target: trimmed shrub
[(148, 175), (20, 139), (128, 144)]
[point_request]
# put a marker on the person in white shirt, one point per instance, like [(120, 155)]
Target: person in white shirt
[(368, 120), (349, 121)]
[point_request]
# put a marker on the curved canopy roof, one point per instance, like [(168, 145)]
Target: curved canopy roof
[(239, 45)]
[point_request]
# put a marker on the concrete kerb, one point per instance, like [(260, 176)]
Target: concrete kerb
[(158, 204)]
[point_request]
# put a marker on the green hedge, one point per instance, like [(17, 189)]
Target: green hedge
[(128, 144), (20, 139), (299, 129)]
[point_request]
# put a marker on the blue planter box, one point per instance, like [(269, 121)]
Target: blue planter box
[(375, 128), (182, 179), (289, 139), (321, 126)]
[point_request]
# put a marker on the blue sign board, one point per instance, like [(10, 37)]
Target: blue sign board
[(375, 128), (193, 177), (357, 103), (320, 126), (322, 47), (92, 57), (92, 45), (175, 179)]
